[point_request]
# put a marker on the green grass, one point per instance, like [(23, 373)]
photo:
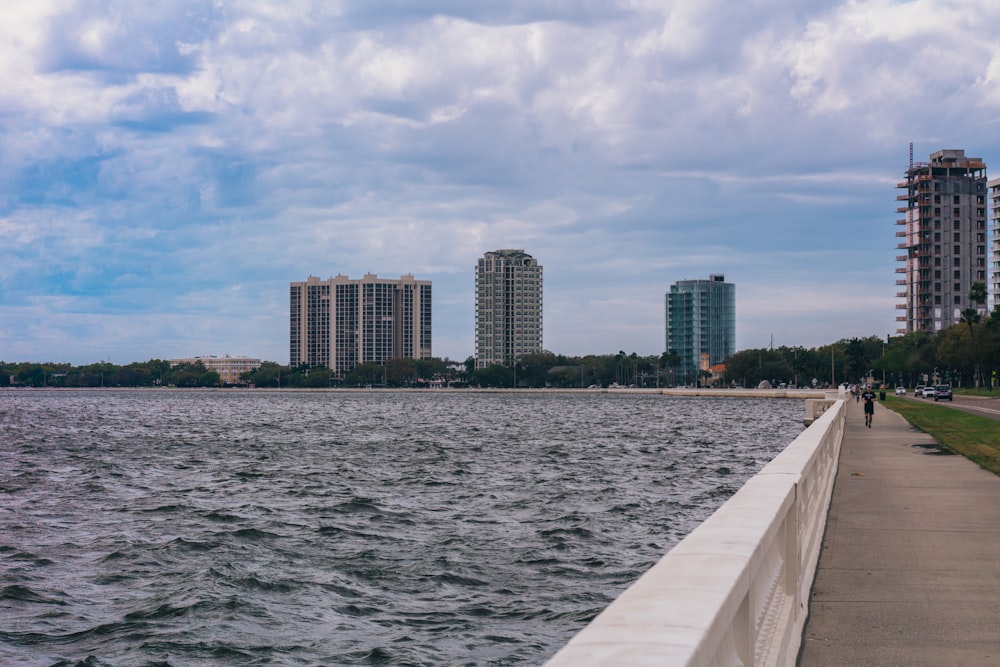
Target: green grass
[(983, 391), (974, 437)]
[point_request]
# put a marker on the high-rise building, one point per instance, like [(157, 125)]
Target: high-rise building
[(994, 257), (701, 320), (943, 239), (342, 322), (508, 307)]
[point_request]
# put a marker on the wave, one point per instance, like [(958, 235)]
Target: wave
[(322, 528)]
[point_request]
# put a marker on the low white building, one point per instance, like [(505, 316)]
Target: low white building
[(228, 368)]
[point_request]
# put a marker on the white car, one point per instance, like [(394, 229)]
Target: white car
[(930, 392), (900, 391)]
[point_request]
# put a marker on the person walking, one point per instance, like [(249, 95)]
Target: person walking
[(869, 398)]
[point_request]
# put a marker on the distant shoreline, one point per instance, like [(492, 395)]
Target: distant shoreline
[(673, 391)]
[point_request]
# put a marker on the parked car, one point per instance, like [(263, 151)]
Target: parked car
[(919, 391), (900, 391), (930, 392), (942, 392)]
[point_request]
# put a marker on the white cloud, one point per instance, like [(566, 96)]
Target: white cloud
[(190, 147)]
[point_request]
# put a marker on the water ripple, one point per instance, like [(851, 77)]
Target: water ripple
[(230, 528)]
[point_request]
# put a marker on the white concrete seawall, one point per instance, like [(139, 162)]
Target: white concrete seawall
[(736, 590)]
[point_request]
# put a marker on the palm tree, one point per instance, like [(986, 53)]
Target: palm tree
[(971, 316), (978, 294), (620, 371), (670, 360)]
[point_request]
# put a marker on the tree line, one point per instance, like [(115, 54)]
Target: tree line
[(964, 355), (532, 370), (152, 373), (967, 354)]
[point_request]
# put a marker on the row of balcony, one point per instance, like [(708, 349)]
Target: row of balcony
[(921, 175)]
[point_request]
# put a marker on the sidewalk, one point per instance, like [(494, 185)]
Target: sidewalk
[(909, 572)]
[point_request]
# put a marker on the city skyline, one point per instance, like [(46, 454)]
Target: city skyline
[(169, 170)]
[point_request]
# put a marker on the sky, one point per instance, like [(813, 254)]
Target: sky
[(167, 169)]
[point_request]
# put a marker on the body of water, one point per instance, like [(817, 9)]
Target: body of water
[(331, 528)]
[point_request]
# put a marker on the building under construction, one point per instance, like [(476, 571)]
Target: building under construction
[(942, 240)]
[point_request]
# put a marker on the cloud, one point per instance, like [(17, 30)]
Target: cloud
[(157, 156)]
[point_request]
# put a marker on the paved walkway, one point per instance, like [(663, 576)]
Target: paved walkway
[(909, 572)]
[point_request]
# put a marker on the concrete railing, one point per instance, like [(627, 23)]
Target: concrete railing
[(816, 407), (736, 590)]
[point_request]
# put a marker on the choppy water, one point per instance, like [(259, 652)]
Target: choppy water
[(253, 528)]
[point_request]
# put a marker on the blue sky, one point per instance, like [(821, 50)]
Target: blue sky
[(168, 168)]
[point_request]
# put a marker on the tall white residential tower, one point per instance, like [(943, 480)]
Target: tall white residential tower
[(342, 322), (993, 284), (508, 307)]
